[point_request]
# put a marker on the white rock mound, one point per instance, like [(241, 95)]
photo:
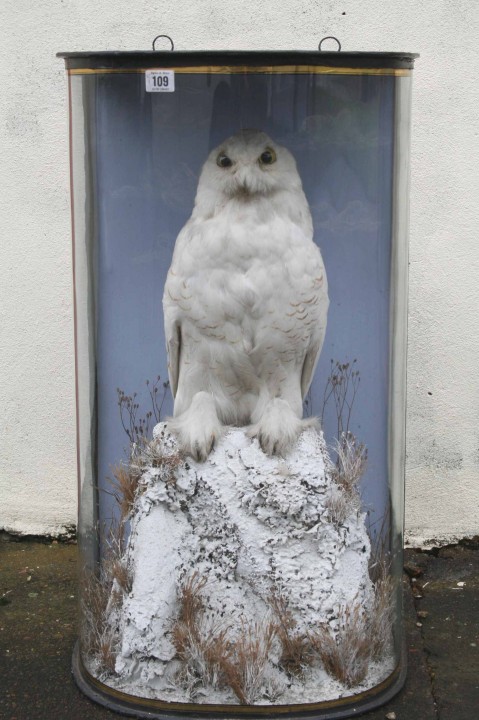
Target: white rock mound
[(246, 527)]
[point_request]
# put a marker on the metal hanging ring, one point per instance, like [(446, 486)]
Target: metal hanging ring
[(329, 37), (163, 36)]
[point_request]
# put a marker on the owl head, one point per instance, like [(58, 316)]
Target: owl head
[(245, 166)]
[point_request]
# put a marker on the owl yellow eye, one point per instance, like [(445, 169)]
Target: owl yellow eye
[(268, 157), (223, 161)]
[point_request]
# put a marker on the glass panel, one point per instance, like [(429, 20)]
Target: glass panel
[(269, 572)]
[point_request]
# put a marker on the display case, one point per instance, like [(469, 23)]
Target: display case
[(240, 230)]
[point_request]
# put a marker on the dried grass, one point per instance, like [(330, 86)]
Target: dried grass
[(382, 617), (208, 654), (340, 507), (107, 652), (97, 637), (296, 650), (380, 557), (362, 636), (244, 666), (126, 481), (125, 485), (190, 599), (351, 463), (203, 649), (345, 653), (114, 566), (94, 600), (199, 644), (383, 610), (102, 593), (150, 454), (344, 499), (119, 571)]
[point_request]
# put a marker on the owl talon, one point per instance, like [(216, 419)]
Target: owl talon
[(266, 443), (278, 428), (197, 428)]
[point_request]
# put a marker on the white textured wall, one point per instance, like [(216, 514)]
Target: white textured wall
[(37, 458)]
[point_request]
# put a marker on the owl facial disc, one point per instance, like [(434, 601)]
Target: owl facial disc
[(249, 164)]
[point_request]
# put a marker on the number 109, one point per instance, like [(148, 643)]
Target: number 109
[(161, 80)]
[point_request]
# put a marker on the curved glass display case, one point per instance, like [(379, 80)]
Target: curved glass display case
[(240, 274)]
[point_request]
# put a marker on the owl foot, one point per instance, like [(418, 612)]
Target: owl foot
[(278, 428), (198, 428)]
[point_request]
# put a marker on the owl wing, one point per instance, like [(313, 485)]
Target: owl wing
[(173, 346), (309, 365), (174, 306), (316, 341)]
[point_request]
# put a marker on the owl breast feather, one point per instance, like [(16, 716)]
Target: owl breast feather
[(242, 275)]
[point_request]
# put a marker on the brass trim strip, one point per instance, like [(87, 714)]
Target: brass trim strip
[(246, 69), (258, 710)]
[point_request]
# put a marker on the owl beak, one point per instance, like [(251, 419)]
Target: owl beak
[(243, 180)]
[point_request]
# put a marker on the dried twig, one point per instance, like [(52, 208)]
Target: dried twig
[(137, 426), (342, 386)]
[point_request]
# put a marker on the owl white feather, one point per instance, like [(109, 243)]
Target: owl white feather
[(245, 300)]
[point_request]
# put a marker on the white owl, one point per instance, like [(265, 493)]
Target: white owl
[(245, 300)]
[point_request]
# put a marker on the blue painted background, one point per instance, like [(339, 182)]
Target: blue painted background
[(149, 151)]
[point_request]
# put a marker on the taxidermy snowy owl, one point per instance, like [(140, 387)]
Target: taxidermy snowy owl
[(245, 300)]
